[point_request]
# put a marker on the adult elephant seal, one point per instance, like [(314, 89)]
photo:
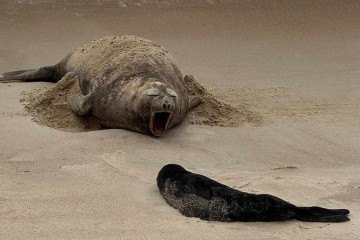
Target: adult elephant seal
[(126, 82), (198, 196)]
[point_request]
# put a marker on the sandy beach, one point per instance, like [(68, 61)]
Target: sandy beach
[(293, 64)]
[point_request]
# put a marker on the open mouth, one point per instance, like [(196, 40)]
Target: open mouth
[(159, 122)]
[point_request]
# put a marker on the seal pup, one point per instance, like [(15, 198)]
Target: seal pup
[(195, 195), (126, 82)]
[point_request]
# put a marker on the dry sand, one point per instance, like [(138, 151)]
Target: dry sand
[(292, 68)]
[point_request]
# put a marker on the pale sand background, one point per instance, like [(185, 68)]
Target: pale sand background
[(297, 64)]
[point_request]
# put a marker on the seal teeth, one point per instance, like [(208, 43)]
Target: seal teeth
[(159, 122)]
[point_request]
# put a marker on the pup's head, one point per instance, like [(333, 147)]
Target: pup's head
[(169, 172)]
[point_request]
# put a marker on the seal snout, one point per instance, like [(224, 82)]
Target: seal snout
[(162, 110), (167, 104)]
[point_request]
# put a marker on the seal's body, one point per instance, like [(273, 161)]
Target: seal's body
[(126, 82), (198, 196)]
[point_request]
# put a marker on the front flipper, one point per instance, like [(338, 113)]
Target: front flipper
[(194, 88), (80, 104), (194, 101)]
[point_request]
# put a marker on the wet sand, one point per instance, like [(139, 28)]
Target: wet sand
[(295, 64)]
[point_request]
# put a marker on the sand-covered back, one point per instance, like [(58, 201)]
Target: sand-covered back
[(119, 58)]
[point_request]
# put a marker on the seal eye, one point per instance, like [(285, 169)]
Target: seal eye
[(171, 92), (153, 92)]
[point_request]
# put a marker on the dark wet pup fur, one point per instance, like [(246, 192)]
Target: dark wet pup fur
[(195, 195)]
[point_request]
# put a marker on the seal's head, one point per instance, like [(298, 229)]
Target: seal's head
[(170, 172), (157, 104)]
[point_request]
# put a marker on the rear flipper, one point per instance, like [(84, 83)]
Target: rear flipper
[(47, 74), (318, 214), (9, 74)]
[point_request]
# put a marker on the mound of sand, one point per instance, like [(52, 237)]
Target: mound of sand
[(213, 112), (49, 107)]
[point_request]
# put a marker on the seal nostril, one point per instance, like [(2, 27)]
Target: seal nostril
[(168, 105), (164, 105)]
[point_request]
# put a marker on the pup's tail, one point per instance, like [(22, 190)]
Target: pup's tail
[(318, 214)]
